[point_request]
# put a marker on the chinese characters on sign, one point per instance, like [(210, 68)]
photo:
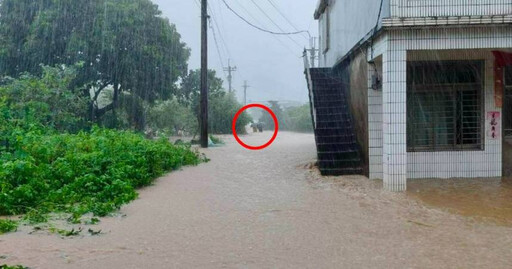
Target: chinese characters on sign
[(493, 122)]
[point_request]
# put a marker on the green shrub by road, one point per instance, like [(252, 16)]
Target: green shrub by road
[(7, 226), (94, 171)]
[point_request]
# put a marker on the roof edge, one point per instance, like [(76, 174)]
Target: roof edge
[(320, 8)]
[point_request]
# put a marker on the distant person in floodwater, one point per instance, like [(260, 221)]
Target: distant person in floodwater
[(260, 127), (254, 127)]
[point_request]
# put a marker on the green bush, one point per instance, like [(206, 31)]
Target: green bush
[(47, 100), (7, 226), (216, 140), (171, 116), (295, 119), (95, 171), (222, 110), (299, 119), (5, 266), (51, 161)]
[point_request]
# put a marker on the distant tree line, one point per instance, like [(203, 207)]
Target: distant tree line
[(294, 118)]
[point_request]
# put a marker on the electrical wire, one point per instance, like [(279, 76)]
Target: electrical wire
[(375, 28), (257, 27), (284, 16), (213, 17), (274, 23), (281, 42), (217, 46)]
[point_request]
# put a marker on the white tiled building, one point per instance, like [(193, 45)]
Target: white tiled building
[(437, 74)]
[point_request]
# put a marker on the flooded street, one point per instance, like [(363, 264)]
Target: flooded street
[(482, 199), (268, 209)]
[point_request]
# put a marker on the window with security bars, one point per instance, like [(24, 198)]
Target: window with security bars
[(445, 106)]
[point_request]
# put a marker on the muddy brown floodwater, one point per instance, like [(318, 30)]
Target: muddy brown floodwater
[(488, 200), (267, 209)]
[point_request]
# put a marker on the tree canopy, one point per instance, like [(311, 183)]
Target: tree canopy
[(222, 107), (124, 45)]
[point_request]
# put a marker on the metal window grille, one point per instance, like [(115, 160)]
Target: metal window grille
[(445, 106)]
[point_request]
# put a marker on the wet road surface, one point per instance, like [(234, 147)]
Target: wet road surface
[(266, 209), (485, 200)]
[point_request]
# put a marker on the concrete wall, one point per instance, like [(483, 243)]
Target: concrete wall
[(459, 164), (354, 71), (442, 8), (350, 21), (375, 142), (358, 71), (402, 45)]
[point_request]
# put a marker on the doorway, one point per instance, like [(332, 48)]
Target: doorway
[(507, 122)]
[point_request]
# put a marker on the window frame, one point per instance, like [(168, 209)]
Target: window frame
[(454, 88), (326, 30)]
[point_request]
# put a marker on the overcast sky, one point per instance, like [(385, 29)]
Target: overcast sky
[(271, 64)]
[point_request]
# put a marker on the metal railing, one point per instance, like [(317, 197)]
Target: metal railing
[(449, 8), (307, 68)]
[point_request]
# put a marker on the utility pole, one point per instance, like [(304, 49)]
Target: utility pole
[(245, 92), (204, 74), (230, 69), (313, 50)]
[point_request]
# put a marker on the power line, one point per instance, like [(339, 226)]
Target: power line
[(259, 28), (257, 21), (223, 41), (284, 16), (247, 11), (227, 75), (273, 22), (211, 19), (213, 33), (376, 27), (216, 45)]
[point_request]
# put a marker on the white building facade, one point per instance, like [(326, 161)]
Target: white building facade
[(436, 78)]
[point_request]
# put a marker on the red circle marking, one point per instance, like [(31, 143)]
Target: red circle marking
[(276, 129)]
